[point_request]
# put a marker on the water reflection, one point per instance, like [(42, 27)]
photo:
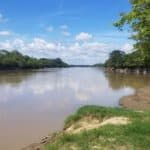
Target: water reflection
[(118, 80), (35, 103), (13, 78)]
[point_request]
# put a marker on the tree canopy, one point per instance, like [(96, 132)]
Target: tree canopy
[(139, 21), (116, 59), (119, 59)]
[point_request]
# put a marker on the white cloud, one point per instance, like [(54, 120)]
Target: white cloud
[(95, 46), (5, 33), (127, 47), (50, 29), (6, 45), (2, 18), (64, 30), (64, 27), (83, 36), (74, 47), (41, 44), (35, 47), (65, 33)]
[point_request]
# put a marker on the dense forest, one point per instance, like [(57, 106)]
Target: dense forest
[(138, 20), (119, 59), (15, 60)]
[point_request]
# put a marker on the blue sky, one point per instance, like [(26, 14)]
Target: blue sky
[(78, 31)]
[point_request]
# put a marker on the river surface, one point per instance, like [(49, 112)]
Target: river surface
[(35, 103)]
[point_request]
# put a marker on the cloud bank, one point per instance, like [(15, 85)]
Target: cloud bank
[(75, 52)]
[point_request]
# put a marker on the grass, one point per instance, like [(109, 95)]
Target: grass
[(132, 136)]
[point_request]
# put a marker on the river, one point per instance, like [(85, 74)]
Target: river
[(35, 103)]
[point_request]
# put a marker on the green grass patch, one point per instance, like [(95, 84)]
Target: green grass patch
[(132, 136)]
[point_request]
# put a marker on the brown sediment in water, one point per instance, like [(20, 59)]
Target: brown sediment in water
[(41, 145), (37, 146), (140, 100)]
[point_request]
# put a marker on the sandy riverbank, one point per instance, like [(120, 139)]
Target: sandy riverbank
[(140, 100)]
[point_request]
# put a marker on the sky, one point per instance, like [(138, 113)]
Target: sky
[(77, 31)]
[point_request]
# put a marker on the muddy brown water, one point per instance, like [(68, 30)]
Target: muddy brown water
[(35, 103)]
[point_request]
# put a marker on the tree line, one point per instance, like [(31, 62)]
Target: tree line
[(16, 60), (119, 59)]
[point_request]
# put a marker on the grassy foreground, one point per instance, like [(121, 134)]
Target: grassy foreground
[(134, 135)]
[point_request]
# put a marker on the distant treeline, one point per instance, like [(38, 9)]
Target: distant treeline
[(119, 59), (81, 66), (98, 65), (16, 60)]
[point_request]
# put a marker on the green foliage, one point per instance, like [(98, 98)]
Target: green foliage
[(134, 59), (116, 59), (98, 65), (139, 20), (119, 59), (15, 60)]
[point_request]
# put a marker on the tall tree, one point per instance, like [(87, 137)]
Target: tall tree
[(139, 21), (116, 59)]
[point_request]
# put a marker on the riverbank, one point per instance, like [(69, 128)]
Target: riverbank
[(95, 127), (140, 100), (143, 71)]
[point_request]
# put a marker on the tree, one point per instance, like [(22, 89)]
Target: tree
[(134, 60), (116, 59), (139, 21)]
